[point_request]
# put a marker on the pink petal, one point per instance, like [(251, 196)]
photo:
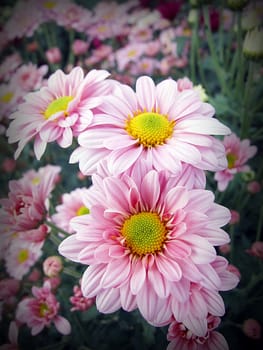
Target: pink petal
[(176, 198), (150, 189), (116, 273), (90, 283), (145, 91), (108, 300), (128, 301), (121, 160), (62, 325), (70, 248), (137, 278), (161, 286), (197, 325), (169, 268)]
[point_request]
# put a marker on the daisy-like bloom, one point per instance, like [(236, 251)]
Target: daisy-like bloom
[(29, 77), (238, 152), (158, 124), (58, 111), (21, 256), (72, 205), (41, 310), (181, 338), (149, 244)]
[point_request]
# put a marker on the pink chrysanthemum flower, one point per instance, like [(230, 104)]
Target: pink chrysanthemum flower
[(238, 152), (41, 310), (158, 124), (181, 338), (58, 111), (147, 242), (21, 256), (27, 202), (29, 77), (79, 302), (72, 205)]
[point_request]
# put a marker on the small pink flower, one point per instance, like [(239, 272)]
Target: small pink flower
[(41, 310), (52, 266), (73, 204), (21, 256), (29, 77), (238, 152), (256, 250), (55, 282), (9, 287), (58, 111), (254, 187), (34, 275), (181, 338), (79, 302), (54, 55), (252, 328), (79, 47), (235, 217)]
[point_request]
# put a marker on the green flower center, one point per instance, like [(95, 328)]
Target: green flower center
[(231, 159), (23, 255), (145, 233), (58, 105), (43, 310), (150, 128), (82, 211)]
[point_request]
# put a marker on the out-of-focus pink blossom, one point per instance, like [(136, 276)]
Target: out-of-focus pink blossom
[(52, 266), (256, 249), (252, 328), (79, 301), (41, 310), (9, 287), (12, 336), (254, 187), (235, 217), (225, 248), (79, 47), (53, 55), (29, 77), (8, 165), (54, 282), (35, 235), (34, 275)]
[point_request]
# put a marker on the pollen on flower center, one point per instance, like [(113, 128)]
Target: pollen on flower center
[(231, 159), (7, 97), (82, 211), (23, 255), (58, 105), (144, 232), (43, 309), (150, 128)]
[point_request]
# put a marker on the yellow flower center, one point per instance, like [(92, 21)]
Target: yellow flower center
[(49, 5), (6, 98), (132, 53), (36, 180), (23, 255), (82, 211), (43, 309), (231, 159), (150, 128), (58, 105), (145, 233)]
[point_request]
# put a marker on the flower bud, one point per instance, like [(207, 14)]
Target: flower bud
[(253, 44), (252, 328), (52, 266), (236, 5)]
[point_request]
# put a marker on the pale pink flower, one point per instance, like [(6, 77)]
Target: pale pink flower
[(58, 111), (158, 124), (184, 84), (27, 202), (129, 53), (8, 165), (153, 47), (149, 244), (53, 55), (52, 266), (73, 204), (252, 328), (181, 338), (79, 302), (35, 235), (238, 152), (29, 77), (79, 47), (9, 66), (54, 282), (41, 310), (10, 97), (21, 256), (145, 65)]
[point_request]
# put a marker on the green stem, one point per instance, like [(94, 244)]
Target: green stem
[(246, 115), (240, 58), (71, 53), (260, 222), (56, 228), (70, 272), (210, 40), (193, 51)]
